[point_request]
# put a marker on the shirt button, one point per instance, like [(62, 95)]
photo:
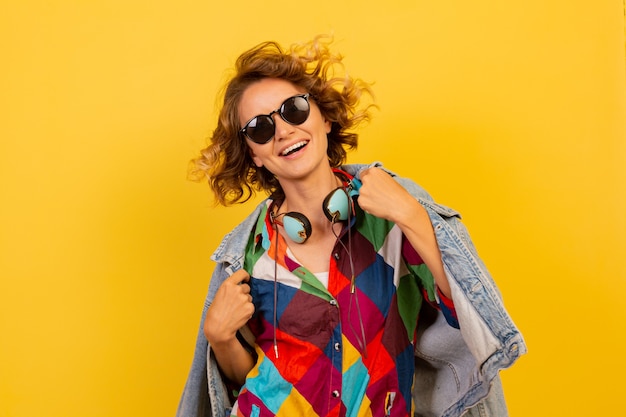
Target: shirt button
[(337, 347), (336, 394), (333, 302)]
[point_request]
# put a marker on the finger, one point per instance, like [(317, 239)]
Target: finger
[(250, 310), (239, 276), (369, 171), (365, 172)]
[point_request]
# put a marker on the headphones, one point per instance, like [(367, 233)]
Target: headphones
[(337, 206)]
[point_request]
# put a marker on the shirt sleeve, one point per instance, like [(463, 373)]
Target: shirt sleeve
[(446, 305), (430, 291)]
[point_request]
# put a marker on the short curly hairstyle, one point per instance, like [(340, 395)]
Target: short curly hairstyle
[(227, 163)]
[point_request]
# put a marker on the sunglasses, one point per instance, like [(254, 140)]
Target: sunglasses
[(295, 110)]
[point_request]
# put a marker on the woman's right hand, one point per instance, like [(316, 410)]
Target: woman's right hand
[(230, 310)]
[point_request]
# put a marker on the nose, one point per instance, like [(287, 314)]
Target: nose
[(282, 129)]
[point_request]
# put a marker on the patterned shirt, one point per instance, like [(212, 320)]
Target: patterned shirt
[(341, 350)]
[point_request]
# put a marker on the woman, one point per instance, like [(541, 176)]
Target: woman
[(339, 294)]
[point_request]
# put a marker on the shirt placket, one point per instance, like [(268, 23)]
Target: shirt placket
[(336, 379)]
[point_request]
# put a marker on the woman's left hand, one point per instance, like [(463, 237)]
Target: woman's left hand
[(381, 195)]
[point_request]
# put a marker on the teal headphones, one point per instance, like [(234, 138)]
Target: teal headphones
[(337, 206)]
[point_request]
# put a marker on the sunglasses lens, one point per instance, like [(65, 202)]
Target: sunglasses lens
[(260, 129), (295, 110)]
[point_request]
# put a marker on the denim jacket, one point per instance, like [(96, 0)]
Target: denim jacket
[(456, 370)]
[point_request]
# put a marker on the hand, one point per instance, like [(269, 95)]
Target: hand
[(231, 308), (380, 195)]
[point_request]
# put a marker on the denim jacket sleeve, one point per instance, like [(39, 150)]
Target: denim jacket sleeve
[(205, 393), (456, 370)]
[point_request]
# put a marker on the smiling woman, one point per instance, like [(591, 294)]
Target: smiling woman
[(307, 66), (303, 144), (347, 277), (512, 112)]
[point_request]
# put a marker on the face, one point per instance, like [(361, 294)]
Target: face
[(295, 151)]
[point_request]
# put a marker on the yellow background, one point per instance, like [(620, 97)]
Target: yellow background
[(511, 112)]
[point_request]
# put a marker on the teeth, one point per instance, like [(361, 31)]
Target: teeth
[(293, 147)]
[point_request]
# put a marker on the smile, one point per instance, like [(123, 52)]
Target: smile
[(294, 148)]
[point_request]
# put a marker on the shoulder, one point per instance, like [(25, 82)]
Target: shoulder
[(409, 184), (233, 245)]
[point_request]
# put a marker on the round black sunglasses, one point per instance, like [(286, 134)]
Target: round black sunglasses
[(295, 110)]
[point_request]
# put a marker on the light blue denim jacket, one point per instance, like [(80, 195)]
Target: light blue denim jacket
[(456, 370)]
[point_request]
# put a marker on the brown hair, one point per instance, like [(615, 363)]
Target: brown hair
[(227, 163)]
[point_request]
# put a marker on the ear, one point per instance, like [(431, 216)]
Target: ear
[(328, 125)]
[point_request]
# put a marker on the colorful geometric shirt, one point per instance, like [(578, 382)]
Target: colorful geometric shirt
[(345, 349)]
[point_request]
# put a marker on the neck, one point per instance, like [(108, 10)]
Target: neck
[(307, 195)]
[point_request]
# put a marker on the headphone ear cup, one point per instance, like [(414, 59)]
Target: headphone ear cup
[(297, 226), (336, 205)]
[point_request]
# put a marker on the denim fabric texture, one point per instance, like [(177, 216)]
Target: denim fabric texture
[(456, 371)]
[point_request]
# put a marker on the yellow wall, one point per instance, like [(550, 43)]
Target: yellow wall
[(511, 112)]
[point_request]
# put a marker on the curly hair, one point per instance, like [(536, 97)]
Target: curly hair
[(227, 163)]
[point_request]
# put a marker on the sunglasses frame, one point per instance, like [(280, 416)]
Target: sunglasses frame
[(280, 111)]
